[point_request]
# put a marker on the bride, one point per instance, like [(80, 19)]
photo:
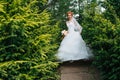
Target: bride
[(73, 46)]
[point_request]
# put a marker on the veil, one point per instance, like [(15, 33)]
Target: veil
[(77, 25)]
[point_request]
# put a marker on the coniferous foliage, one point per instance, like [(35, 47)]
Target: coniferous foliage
[(101, 32), (28, 41)]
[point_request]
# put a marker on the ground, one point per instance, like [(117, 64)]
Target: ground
[(78, 70)]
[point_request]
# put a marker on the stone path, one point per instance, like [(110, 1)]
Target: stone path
[(78, 70)]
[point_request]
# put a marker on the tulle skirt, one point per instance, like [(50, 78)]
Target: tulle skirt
[(73, 47)]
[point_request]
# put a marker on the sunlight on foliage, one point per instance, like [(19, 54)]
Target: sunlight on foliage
[(28, 41)]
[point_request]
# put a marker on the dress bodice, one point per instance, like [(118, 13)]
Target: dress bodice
[(70, 25), (73, 26)]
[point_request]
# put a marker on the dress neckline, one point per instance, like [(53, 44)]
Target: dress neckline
[(69, 21)]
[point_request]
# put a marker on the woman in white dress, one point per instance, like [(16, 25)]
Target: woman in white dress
[(73, 46)]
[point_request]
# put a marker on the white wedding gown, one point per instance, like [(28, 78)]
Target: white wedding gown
[(73, 46)]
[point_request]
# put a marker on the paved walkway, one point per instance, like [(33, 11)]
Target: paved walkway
[(78, 70)]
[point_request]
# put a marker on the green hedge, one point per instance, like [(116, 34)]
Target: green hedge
[(28, 70), (28, 41), (104, 38)]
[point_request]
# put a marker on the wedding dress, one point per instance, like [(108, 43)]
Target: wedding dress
[(73, 46)]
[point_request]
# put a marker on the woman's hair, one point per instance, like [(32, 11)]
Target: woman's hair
[(69, 12)]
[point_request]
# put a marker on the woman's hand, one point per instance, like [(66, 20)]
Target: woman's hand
[(64, 32)]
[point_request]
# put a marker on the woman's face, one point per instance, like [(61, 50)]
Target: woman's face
[(69, 16)]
